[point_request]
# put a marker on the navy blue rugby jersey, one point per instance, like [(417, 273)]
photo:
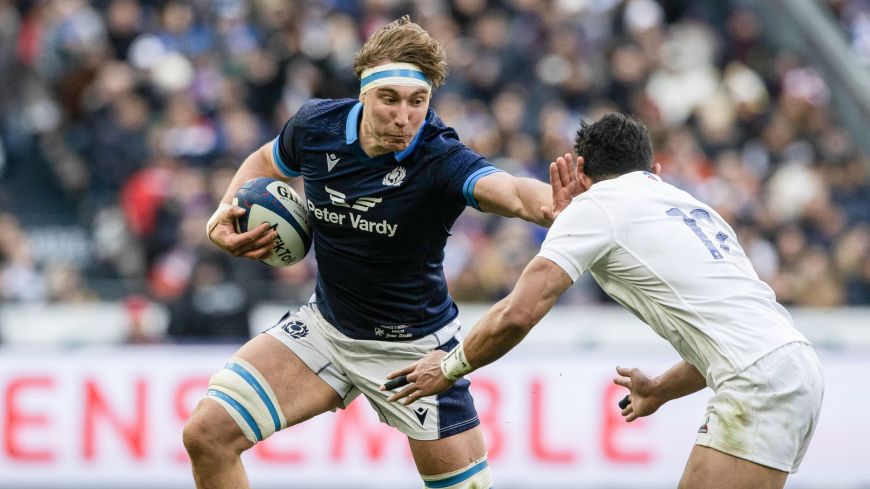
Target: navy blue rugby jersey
[(379, 224)]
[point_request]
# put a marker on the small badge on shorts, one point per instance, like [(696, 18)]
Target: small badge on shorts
[(703, 428), (296, 329), (421, 414)]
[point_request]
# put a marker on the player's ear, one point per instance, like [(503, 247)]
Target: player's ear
[(657, 168)]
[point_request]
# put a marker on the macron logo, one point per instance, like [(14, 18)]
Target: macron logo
[(421, 414), (331, 161), (361, 204)]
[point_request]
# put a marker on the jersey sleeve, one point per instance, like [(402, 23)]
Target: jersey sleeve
[(458, 172), (581, 235), (286, 149)]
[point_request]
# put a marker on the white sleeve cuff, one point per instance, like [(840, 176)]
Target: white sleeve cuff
[(564, 262)]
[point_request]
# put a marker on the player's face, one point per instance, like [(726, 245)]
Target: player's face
[(391, 117)]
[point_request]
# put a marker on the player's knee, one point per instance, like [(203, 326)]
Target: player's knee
[(248, 398), (474, 476), (198, 439), (206, 434)]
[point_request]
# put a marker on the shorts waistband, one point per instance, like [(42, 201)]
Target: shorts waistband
[(780, 353), (425, 343)]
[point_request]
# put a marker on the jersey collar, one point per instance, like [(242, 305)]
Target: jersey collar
[(642, 174), (351, 135)]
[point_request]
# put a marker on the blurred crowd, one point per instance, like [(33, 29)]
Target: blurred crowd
[(122, 121), (854, 16)]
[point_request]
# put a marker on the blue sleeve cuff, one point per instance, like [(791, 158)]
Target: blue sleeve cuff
[(276, 155), (471, 181)]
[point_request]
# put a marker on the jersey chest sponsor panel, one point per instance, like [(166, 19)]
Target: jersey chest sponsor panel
[(675, 263), (380, 223)]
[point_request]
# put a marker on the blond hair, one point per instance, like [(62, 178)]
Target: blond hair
[(403, 41)]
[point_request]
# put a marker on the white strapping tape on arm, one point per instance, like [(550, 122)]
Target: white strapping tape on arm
[(213, 220), (454, 365)]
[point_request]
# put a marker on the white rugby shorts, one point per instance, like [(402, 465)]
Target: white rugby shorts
[(352, 367), (767, 413)]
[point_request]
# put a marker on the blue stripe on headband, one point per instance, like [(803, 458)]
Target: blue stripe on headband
[(403, 73)]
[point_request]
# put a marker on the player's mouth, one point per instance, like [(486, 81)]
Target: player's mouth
[(396, 141)]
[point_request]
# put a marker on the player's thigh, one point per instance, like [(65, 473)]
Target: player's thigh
[(300, 392), (448, 454), (767, 413), (270, 377), (708, 468)]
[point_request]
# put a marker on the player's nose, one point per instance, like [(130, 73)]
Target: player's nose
[(401, 116)]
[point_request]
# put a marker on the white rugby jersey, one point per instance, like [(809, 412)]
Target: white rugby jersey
[(675, 263)]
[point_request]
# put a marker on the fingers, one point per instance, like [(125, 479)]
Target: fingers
[(565, 169), (408, 395), (244, 242), (399, 381), (398, 378), (403, 371), (258, 254), (623, 381), (259, 250), (625, 371), (627, 410), (266, 241), (555, 179), (234, 212), (624, 402), (413, 398), (408, 391)]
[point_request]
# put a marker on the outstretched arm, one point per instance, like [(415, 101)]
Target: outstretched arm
[(529, 199), (647, 395), (501, 328)]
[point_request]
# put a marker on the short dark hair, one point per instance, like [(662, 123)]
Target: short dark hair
[(403, 41), (614, 145)]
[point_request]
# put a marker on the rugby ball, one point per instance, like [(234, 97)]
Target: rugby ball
[(276, 203)]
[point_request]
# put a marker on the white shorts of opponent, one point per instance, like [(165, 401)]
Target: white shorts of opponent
[(352, 367), (767, 413)]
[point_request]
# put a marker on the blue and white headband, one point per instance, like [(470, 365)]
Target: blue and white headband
[(406, 74)]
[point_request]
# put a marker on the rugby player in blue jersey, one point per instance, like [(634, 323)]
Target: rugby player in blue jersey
[(384, 181)]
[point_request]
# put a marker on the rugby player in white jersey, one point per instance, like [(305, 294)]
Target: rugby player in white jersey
[(674, 263)]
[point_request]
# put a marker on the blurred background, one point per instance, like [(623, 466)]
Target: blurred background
[(122, 122)]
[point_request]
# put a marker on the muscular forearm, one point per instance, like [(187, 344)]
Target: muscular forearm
[(495, 334), (534, 195), (500, 329), (509, 321), (680, 380)]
